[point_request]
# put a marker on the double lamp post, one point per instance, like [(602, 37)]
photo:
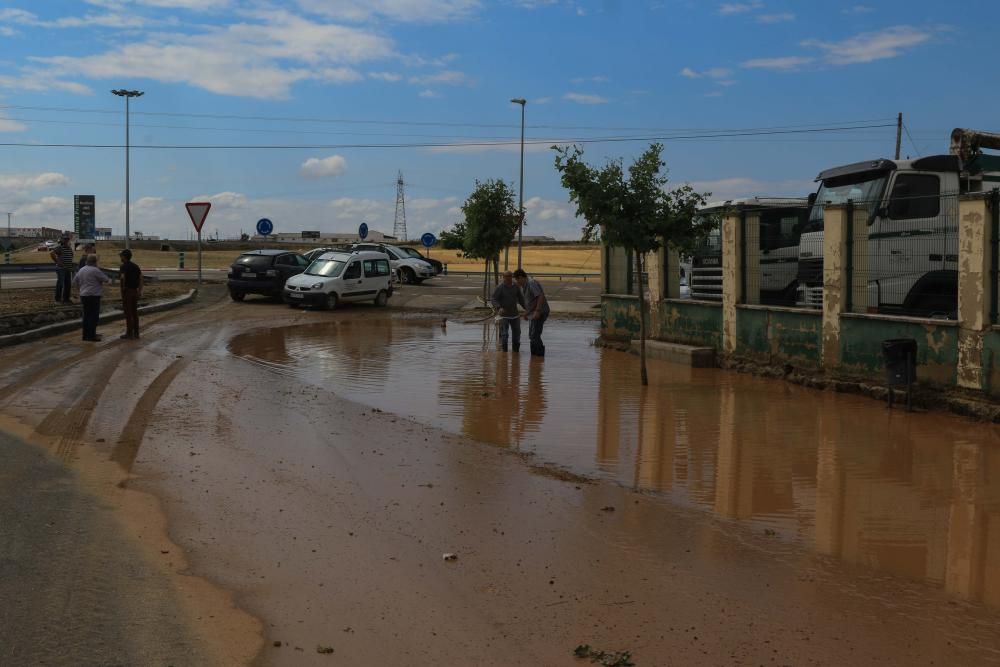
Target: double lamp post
[(128, 95), (520, 208)]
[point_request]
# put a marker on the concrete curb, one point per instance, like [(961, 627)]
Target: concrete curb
[(74, 324)]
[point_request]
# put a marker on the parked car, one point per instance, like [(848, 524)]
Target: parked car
[(263, 272), (435, 264), (339, 276), (410, 269), (315, 253)]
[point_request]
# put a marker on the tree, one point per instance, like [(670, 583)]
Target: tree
[(490, 224), (636, 213), (454, 238)]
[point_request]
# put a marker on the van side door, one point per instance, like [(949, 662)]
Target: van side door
[(353, 281)]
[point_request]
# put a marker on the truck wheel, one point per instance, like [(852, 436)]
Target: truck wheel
[(331, 301), (236, 296), (382, 299)]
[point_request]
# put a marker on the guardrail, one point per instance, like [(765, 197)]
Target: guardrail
[(48, 267), (533, 274)]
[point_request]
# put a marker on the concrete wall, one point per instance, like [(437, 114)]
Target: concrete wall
[(620, 317), (861, 339), (779, 335), (690, 322)]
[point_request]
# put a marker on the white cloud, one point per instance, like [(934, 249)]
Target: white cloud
[(446, 77), (20, 182), (746, 186), (417, 11), (859, 9), (776, 18), (713, 73), (870, 46), (260, 59), (537, 208), (783, 64), (110, 20), (10, 125), (584, 98), (728, 9), (428, 94), (224, 200), (385, 76), (327, 167)]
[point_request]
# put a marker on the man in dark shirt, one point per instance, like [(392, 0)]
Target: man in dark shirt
[(62, 255), (505, 299), (537, 308), (130, 277)]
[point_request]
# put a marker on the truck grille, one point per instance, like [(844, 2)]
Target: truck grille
[(811, 271)]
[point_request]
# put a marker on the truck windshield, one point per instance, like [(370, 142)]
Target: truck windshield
[(327, 268), (864, 187)]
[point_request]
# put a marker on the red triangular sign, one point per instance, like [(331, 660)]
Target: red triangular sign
[(198, 211)]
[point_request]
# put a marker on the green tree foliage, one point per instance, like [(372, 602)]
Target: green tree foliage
[(490, 223), (634, 211), (454, 238)]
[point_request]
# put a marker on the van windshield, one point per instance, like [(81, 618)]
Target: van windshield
[(326, 268)]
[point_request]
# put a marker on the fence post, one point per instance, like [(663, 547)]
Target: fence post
[(976, 292), (994, 252), (849, 257), (834, 232), (732, 279), (743, 256)]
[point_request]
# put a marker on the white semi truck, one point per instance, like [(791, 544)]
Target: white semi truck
[(912, 210), (780, 221)]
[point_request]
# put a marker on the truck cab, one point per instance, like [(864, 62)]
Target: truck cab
[(781, 221)]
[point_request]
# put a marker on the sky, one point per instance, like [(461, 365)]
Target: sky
[(305, 111)]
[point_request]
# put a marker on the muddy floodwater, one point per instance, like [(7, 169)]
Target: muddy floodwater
[(912, 495)]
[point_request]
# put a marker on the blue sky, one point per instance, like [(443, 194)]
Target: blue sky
[(335, 74)]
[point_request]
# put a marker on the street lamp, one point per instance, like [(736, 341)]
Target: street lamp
[(127, 94), (520, 222)]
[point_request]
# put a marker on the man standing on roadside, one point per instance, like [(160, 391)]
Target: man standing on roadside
[(90, 280), (130, 277), (88, 250), (537, 308), (62, 255), (505, 299)]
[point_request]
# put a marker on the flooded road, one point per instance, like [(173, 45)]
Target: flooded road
[(916, 496)]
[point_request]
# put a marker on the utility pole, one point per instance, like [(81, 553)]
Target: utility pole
[(899, 132), (399, 225), (127, 94), (520, 208)]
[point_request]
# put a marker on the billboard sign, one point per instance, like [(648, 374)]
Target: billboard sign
[(84, 218)]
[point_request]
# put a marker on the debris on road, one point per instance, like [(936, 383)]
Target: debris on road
[(604, 658), (324, 650), (449, 557)]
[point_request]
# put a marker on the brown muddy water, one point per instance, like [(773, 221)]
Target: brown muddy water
[(911, 495)]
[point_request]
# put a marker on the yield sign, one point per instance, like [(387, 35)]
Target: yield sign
[(198, 211)]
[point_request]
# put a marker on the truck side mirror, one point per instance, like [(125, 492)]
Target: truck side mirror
[(811, 200)]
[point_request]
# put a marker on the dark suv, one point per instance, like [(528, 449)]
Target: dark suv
[(263, 272)]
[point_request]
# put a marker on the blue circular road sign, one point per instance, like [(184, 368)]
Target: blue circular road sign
[(264, 226), (363, 231), (428, 240)]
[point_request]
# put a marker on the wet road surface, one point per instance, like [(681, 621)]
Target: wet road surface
[(752, 522)]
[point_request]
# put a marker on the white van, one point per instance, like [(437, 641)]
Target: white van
[(336, 277)]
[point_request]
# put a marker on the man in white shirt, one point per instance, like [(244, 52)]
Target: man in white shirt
[(90, 280)]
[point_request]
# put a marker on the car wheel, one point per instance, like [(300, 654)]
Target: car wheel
[(331, 301), (382, 298), (236, 296), (409, 277)]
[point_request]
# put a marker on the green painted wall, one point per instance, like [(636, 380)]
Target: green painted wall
[(620, 317), (779, 336), (691, 323), (991, 363), (937, 347)]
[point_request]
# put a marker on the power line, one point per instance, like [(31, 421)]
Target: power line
[(470, 144), (348, 121), (915, 149)]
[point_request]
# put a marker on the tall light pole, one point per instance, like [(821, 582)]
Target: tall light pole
[(520, 222), (127, 94)]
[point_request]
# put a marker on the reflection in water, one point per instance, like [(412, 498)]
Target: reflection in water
[(914, 495)]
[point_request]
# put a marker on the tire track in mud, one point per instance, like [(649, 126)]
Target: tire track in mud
[(127, 448)]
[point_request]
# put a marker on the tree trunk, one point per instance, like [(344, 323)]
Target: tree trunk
[(642, 322), (486, 282), (496, 270)]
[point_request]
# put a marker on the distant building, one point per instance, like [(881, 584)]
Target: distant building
[(374, 236), (538, 239), (102, 233), (32, 232)]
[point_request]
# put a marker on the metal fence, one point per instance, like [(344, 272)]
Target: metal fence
[(770, 252), (902, 259)]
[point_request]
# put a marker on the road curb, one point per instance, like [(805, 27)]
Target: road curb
[(109, 316)]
